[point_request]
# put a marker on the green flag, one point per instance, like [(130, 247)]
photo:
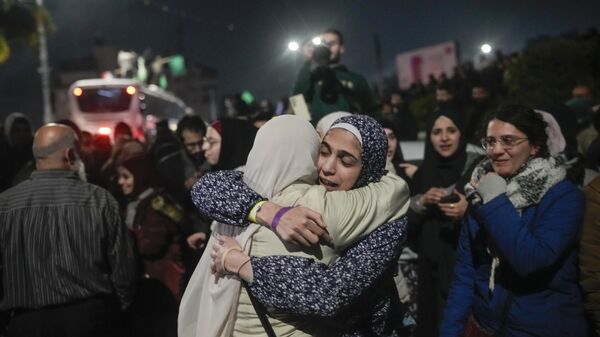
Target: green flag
[(177, 65)]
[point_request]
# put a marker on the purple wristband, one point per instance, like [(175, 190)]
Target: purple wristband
[(278, 216)]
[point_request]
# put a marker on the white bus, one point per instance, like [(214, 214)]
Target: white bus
[(97, 105)]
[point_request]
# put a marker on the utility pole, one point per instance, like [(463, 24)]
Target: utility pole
[(44, 69), (378, 65)]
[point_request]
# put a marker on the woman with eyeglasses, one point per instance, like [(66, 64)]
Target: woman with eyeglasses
[(516, 269), (226, 147), (437, 208), (228, 142)]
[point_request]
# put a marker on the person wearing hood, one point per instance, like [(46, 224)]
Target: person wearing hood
[(437, 208), (155, 220), (18, 134), (325, 123), (227, 143), (226, 147), (341, 160), (395, 158)]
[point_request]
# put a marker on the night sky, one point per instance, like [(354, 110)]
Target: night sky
[(246, 41)]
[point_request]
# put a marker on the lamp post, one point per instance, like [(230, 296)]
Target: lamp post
[(44, 69)]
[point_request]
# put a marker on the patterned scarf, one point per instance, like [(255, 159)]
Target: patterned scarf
[(374, 147), (526, 188)]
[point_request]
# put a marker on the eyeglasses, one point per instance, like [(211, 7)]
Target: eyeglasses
[(210, 142), (506, 142)]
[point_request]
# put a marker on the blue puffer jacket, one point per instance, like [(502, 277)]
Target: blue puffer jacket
[(538, 266)]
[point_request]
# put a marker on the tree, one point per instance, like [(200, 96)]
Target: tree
[(18, 24), (547, 70)]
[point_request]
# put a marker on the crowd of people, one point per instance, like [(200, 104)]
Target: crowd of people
[(252, 225)]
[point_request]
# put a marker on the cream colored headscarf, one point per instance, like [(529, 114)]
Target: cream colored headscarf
[(326, 121), (284, 152)]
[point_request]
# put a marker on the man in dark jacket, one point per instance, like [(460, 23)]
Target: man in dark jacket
[(329, 86)]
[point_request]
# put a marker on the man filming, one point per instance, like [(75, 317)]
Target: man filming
[(329, 86)]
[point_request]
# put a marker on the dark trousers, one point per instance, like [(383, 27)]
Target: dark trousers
[(88, 318)]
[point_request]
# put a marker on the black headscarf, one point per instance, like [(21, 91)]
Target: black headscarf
[(437, 171), (398, 157), (144, 174), (237, 137)]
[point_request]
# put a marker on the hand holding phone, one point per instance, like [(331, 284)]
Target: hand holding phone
[(450, 198), (454, 205)]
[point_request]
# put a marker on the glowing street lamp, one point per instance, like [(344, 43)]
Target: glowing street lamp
[(486, 48), (293, 46), (316, 40)]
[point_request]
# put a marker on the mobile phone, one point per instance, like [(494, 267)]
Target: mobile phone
[(450, 198)]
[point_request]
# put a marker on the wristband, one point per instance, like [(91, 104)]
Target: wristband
[(254, 210), (278, 216), (224, 256)]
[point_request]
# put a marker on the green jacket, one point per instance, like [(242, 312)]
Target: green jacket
[(356, 95)]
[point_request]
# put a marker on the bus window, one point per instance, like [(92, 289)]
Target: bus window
[(113, 99)]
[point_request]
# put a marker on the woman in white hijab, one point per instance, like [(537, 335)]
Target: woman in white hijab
[(325, 123), (292, 160)]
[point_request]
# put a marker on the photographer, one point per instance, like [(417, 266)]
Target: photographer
[(329, 86)]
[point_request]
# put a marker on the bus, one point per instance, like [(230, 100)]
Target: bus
[(97, 105)]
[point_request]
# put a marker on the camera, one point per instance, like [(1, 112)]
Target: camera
[(321, 54)]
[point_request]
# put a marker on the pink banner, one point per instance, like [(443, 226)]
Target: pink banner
[(416, 65)]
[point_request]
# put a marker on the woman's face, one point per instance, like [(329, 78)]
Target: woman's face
[(340, 161), (392, 142), (125, 180), (212, 146), (507, 159), (445, 136)]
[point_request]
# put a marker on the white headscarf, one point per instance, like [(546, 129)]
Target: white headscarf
[(556, 141), (285, 151), (326, 121), (10, 120)]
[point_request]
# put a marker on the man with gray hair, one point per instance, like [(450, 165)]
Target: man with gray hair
[(69, 264)]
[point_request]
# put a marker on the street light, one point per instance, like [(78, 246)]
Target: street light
[(316, 41), (486, 48), (293, 46)]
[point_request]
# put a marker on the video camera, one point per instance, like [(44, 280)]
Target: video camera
[(323, 73), (321, 54)]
